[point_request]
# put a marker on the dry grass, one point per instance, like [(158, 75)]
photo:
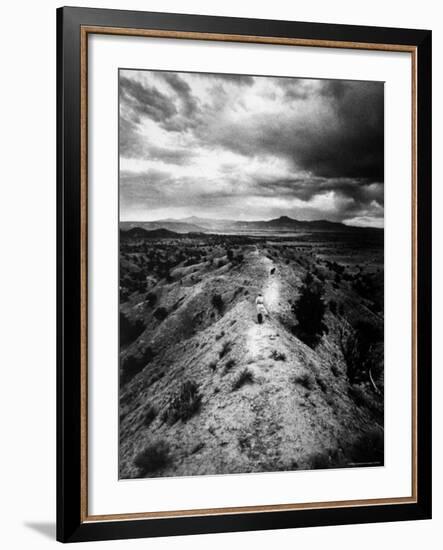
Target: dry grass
[(153, 457), (149, 415), (245, 377), (321, 384), (278, 355), (213, 365), (305, 379), (185, 403), (229, 365), (226, 348)]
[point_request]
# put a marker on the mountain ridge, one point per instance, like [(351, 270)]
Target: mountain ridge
[(195, 224)]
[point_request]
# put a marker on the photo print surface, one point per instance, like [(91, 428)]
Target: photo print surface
[(251, 278)]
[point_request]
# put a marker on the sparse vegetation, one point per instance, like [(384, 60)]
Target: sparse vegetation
[(328, 458), (320, 461), (217, 302), (245, 377), (334, 369), (305, 379), (197, 447), (133, 363), (278, 355), (226, 348), (368, 448), (359, 349), (309, 310), (229, 365), (161, 313), (185, 403), (363, 396), (191, 352), (153, 457), (130, 329), (151, 299), (149, 415), (321, 384)]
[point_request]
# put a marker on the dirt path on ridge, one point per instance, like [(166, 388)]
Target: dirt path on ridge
[(260, 337)]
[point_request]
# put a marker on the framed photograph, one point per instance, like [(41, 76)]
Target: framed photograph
[(244, 274)]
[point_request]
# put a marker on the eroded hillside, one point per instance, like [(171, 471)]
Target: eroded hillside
[(205, 389)]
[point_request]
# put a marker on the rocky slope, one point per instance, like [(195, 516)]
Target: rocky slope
[(205, 389)]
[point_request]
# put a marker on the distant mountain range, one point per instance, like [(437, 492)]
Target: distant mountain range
[(172, 227)]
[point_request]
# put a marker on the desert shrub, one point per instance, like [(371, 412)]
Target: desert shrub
[(321, 384), (213, 365), (358, 395), (155, 377), (226, 348), (161, 313), (244, 377), (333, 306), (362, 396), (217, 302), (153, 457), (364, 284), (230, 254), (337, 267), (229, 364), (134, 363), (358, 347), (130, 329), (328, 458), (369, 447), (305, 379), (320, 461), (278, 355), (151, 298), (309, 310), (370, 287), (149, 415), (220, 335), (334, 369), (185, 403), (197, 447)]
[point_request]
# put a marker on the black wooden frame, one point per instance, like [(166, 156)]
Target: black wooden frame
[(70, 527)]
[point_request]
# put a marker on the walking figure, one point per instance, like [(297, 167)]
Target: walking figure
[(261, 310)]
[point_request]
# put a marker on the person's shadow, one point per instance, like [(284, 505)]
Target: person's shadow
[(46, 529)]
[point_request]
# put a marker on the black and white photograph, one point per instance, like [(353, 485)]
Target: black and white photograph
[(251, 274)]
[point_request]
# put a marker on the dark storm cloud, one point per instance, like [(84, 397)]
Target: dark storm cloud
[(130, 142), (146, 100), (305, 147), (294, 89), (237, 79), (344, 139), (133, 145), (183, 90), (308, 187)]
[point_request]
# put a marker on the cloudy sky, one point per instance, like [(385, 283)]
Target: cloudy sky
[(250, 148)]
